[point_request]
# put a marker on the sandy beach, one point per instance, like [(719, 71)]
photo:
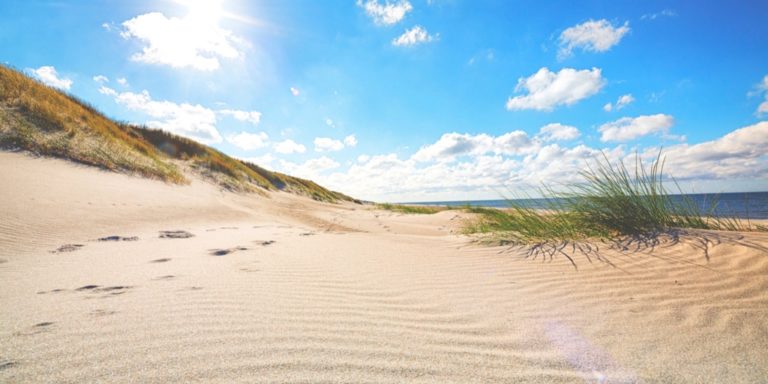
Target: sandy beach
[(280, 288)]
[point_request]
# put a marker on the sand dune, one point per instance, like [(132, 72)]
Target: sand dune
[(285, 289)]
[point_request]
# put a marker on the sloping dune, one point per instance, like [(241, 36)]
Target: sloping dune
[(191, 284)]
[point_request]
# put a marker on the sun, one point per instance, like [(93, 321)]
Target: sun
[(204, 11)]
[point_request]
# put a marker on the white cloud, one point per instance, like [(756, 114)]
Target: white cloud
[(325, 144), (739, 154), (48, 75), (547, 89), (252, 117), (414, 36), (622, 102), (593, 36), (654, 16), (104, 90), (195, 41), (122, 81), (762, 109), (389, 177), (628, 128), (558, 132), (248, 141), (295, 91), (193, 121), (452, 145), (312, 169), (101, 79), (350, 141), (388, 13), (289, 146), (106, 26), (329, 123)]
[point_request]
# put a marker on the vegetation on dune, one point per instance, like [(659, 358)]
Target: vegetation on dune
[(42, 120), (410, 209), (48, 122), (613, 202)]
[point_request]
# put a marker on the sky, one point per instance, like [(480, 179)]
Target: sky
[(423, 100)]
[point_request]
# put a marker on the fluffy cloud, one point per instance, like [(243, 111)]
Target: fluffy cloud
[(593, 36), (654, 16), (295, 91), (190, 42), (558, 132), (252, 117), (193, 121), (122, 81), (413, 36), (452, 145), (739, 154), (486, 174), (289, 146), (326, 144), (311, 169), (101, 79), (547, 89), (628, 128), (350, 141), (387, 13), (48, 75), (249, 141), (622, 102)]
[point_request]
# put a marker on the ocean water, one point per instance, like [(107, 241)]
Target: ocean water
[(753, 205)]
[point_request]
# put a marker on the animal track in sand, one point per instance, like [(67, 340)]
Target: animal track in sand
[(166, 277), (118, 238), (265, 243), (223, 252), (5, 364), (163, 260), (175, 235), (67, 248)]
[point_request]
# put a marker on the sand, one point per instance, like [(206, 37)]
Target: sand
[(280, 288)]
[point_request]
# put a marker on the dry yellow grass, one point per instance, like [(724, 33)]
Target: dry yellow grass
[(48, 122)]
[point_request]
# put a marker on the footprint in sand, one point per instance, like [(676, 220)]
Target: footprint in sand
[(163, 260), (166, 277), (67, 248), (223, 252), (5, 364), (44, 324), (265, 243), (118, 238), (2, 261), (57, 290), (112, 290), (101, 313), (175, 235)]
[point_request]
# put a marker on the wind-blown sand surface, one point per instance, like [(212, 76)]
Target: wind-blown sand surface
[(285, 289)]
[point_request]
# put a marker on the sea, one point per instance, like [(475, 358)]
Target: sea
[(744, 205)]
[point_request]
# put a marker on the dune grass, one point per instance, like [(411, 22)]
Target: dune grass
[(410, 209), (613, 201), (46, 121)]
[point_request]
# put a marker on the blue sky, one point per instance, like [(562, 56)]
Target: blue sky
[(413, 100)]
